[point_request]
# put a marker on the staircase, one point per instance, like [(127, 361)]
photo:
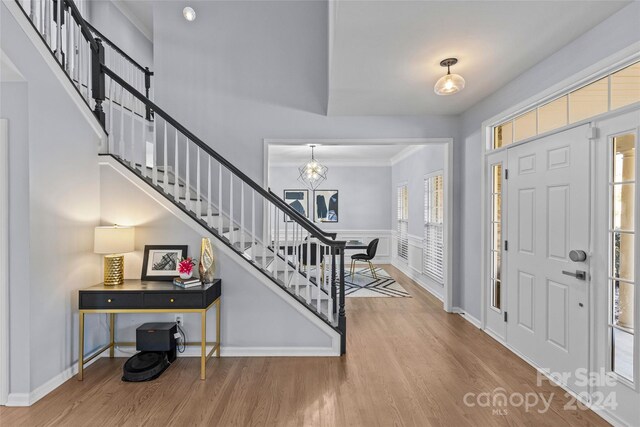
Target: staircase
[(270, 236)]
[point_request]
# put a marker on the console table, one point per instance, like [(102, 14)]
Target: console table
[(143, 297)]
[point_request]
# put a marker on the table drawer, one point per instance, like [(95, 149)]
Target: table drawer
[(173, 300), (107, 300)]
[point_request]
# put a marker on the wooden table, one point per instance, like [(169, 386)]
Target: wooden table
[(143, 297)]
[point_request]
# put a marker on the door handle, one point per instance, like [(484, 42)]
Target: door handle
[(579, 274)]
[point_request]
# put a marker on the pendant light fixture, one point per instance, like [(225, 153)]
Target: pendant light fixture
[(449, 83), (189, 14), (312, 173)]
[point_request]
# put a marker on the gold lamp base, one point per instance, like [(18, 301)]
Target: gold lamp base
[(113, 270)]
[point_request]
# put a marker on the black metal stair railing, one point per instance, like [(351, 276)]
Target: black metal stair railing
[(257, 224)]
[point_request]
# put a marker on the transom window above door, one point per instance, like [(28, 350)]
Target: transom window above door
[(614, 91)]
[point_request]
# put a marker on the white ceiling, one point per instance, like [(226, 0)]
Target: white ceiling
[(287, 155), (385, 55)]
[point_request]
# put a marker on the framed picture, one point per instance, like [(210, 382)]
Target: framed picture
[(298, 200), (161, 261), (326, 205)]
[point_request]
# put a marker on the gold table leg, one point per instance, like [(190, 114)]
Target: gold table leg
[(81, 346), (218, 326), (112, 334), (203, 345)]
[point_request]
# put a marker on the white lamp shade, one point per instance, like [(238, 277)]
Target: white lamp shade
[(113, 240), (449, 84)]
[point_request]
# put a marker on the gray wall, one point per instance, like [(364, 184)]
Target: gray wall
[(252, 315), (54, 208), (14, 107), (245, 71), (612, 35), (364, 194), (412, 171), (110, 21), (250, 70)]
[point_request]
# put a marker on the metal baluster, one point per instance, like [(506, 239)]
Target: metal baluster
[(88, 70), (330, 296), (274, 242), (242, 229), (253, 225), (220, 216), (286, 250), (318, 280), (296, 254), (111, 98), (265, 231), (143, 149), (132, 161), (165, 160), (154, 149), (121, 152), (68, 33), (176, 187), (198, 193), (231, 227), (58, 25), (308, 267), (209, 201), (187, 185), (33, 13), (333, 279), (47, 22), (76, 58)]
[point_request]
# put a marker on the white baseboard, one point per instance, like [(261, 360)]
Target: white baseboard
[(193, 351), (28, 399), (418, 278), (469, 318)]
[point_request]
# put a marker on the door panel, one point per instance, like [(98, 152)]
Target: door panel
[(548, 216)]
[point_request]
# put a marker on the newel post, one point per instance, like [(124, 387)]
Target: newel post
[(98, 80)]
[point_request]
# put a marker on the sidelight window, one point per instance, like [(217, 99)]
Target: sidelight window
[(496, 236), (621, 255)]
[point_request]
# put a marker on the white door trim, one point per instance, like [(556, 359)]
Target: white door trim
[(448, 187), (4, 260)]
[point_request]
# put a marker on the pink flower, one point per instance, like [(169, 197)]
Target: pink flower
[(185, 265)]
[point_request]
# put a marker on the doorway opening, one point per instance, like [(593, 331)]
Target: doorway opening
[(397, 192)]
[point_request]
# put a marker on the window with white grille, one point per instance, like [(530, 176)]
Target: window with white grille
[(433, 250), (403, 222)]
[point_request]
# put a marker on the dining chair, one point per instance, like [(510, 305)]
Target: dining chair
[(372, 248)]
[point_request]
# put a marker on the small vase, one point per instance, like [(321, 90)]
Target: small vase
[(186, 275)]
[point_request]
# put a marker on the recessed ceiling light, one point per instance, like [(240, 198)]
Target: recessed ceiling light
[(188, 13), (449, 83)]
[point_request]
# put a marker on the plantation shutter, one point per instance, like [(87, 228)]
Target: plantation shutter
[(433, 249), (403, 222)]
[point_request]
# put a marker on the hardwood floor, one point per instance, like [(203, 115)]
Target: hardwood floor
[(408, 363)]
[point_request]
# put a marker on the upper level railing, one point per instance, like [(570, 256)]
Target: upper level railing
[(299, 256)]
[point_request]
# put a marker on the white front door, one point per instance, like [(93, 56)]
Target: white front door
[(548, 216)]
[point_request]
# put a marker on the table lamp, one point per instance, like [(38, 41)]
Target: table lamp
[(113, 241)]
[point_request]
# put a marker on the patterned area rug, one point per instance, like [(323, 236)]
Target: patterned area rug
[(363, 285)]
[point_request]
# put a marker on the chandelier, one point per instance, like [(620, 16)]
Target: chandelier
[(312, 173)]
